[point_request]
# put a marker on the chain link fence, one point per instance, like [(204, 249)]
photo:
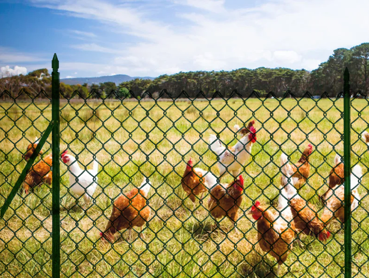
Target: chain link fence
[(184, 187)]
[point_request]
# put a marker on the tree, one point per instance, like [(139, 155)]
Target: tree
[(360, 60), (66, 89), (108, 87), (123, 93), (37, 73)]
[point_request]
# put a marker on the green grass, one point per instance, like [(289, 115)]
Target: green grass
[(178, 240)]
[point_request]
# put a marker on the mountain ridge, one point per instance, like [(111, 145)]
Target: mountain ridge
[(117, 79)]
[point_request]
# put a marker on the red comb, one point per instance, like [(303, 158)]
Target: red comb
[(310, 146), (257, 203), (189, 164), (240, 178), (252, 135), (64, 153), (101, 234)]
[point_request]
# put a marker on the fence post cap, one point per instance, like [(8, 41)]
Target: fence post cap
[(55, 63)]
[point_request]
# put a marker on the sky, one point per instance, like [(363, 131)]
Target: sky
[(155, 37)]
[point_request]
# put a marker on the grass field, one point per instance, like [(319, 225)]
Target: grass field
[(132, 140)]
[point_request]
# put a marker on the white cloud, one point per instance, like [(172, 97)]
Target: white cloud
[(96, 48), (273, 33), (209, 5), (310, 64), (8, 56), (84, 34), (93, 69), (286, 56), (8, 71)]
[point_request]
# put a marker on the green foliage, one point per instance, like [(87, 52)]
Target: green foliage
[(123, 93), (37, 73), (83, 91), (326, 78), (108, 87), (95, 91), (66, 89)]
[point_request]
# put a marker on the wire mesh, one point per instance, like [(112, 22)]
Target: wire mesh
[(25, 229), (142, 192)]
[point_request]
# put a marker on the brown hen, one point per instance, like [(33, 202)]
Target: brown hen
[(275, 234), (226, 201), (129, 210), (196, 181)]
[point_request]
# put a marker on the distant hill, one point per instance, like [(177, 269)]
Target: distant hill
[(117, 79)]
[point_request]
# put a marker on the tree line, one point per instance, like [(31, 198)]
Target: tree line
[(327, 78)]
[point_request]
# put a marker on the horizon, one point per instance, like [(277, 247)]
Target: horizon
[(148, 39)]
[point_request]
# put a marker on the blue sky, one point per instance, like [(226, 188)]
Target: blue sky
[(149, 38)]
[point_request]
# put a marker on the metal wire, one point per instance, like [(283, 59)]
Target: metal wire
[(174, 228)]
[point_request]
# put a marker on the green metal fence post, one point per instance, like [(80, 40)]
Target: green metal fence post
[(347, 166), (56, 170)]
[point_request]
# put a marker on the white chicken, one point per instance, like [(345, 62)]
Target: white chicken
[(82, 182), (232, 159)]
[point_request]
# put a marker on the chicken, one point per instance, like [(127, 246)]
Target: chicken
[(196, 181), (30, 150), (82, 182), (304, 214), (129, 210), (301, 170), (40, 172), (226, 201), (233, 158), (334, 199), (275, 233), (336, 175)]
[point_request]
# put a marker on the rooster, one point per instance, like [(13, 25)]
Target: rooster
[(233, 158), (129, 210), (30, 150), (226, 201), (334, 207), (304, 213), (40, 172), (301, 170), (275, 233), (336, 175), (196, 181), (82, 182)]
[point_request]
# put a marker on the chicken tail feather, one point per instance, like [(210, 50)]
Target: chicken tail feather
[(337, 159), (285, 166), (145, 186), (356, 176), (215, 145), (365, 136), (287, 180)]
